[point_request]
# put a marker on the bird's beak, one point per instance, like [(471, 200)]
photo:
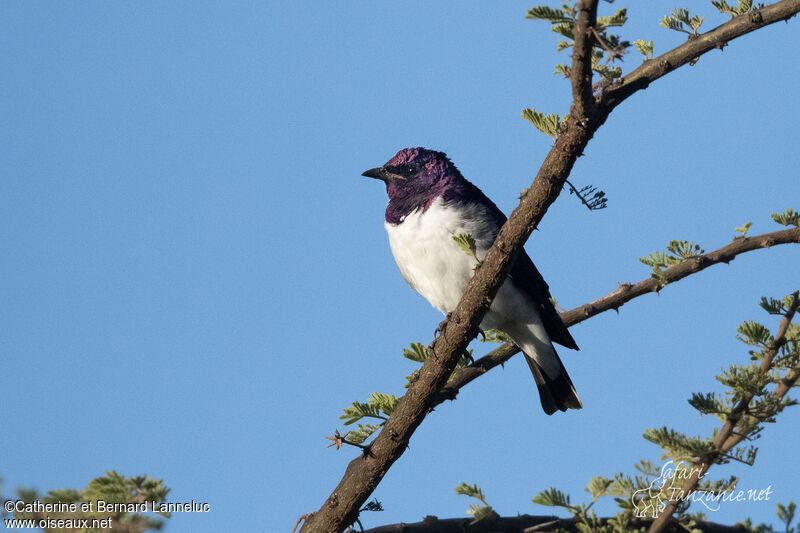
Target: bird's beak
[(377, 173), (383, 175)]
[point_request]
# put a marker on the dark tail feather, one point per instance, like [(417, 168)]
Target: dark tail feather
[(556, 393)]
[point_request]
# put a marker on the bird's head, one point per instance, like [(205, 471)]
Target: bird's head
[(415, 172), (415, 177)]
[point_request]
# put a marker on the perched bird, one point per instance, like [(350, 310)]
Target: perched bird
[(430, 202)]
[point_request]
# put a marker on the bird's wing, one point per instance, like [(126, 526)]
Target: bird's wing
[(525, 276)]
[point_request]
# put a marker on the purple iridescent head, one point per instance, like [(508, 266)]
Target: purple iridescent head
[(415, 177)]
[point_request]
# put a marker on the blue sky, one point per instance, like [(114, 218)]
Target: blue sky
[(195, 278)]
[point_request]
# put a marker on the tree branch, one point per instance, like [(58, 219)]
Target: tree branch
[(625, 293), (727, 439), (364, 473), (581, 72), (522, 524), (717, 38)]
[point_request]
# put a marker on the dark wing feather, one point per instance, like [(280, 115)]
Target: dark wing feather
[(525, 276)]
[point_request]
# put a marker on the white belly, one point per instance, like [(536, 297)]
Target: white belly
[(436, 267), (429, 259)]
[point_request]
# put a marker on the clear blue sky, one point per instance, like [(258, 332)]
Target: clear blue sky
[(195, 278)]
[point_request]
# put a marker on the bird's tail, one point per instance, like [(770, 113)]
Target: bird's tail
[(556, 393)]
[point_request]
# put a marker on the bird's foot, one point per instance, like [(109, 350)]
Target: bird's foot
[(482, 334), (440, 328)]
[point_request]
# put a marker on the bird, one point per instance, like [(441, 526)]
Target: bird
[(430, 203)]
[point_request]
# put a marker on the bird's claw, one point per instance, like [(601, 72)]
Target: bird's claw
[(440, 328)]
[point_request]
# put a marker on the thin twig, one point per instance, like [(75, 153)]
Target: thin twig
[(303, 517), (612, 53), (577, 193)]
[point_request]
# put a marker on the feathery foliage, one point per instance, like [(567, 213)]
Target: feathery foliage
[(364, 431), (417, 352), (550, 125), (681, 20), (466, 242), (743, 229), (741, 7), (478, 512), (495, 335), (787, 218), (110, 488), (606, 46), (645, 47), (746, 405), (677, 253), (378, 405)]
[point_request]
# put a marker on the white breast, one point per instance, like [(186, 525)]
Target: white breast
[(437, 268), (429, 259)]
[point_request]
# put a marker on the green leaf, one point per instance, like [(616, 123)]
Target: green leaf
[(773, 306), (363, 432), (112, 488), (786, 513), (466, 242), (745, 380), (744, 6), (560, 69), (470, 490), (754, 334), (479, 512), (657, 260), (617, 19), (787, 218), (709, 404), (645, 47), (495, 335), (553, 16), (378, 405), (550, 125), (743, 229), (609, 73), (418, 352), (681, 17), (683, 250), (677, 445), (565, 30), (552, 498), (598, 486)]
